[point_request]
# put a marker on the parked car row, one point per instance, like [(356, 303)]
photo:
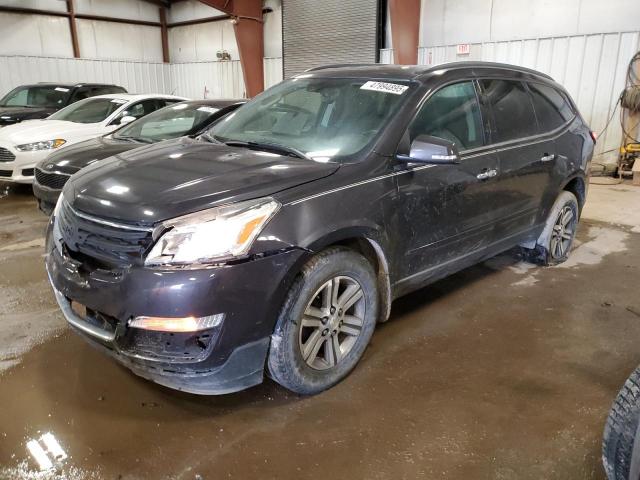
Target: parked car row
[(26, 143), (276, 238), (175, 120)]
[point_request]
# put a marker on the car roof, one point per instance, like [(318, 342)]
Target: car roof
[(414, 72), (70, 85), (131, 97), (218, 103)]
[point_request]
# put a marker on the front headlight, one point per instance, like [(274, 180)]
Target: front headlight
[(44, 145), (213, 234)]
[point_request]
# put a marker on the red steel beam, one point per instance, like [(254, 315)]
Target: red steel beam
[(72, 28), (405, 30), (249, 30), (164, 34)]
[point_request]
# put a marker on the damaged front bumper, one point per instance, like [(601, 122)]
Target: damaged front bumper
[(223, 359)]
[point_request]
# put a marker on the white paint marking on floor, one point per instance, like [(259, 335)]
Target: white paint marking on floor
[(37, 242)]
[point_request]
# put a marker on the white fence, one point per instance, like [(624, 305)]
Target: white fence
[(591, 67), (193, 80)]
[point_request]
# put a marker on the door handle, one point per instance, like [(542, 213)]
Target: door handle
[(487, 174), (547, 158)]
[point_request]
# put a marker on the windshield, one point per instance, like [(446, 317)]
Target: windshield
[(323, 118), (36, 96), (169, 122), (91, 110)]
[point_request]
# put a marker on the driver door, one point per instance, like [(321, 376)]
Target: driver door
[(448, 210)]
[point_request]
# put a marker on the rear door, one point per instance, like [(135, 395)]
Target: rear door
[(448, 211), (524, 155), (554, 113)]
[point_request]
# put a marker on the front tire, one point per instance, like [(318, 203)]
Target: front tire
[(326, 322), (554, 244)]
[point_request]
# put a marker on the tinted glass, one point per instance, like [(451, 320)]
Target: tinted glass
[(452, 113), (512, 109), (91, 110), (551, 107), (81, 93), (138, 110), (322, 117), (170, 122), (38, 96)]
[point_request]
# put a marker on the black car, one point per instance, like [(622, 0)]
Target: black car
[(184, 118), (32, 102), (279, 237)]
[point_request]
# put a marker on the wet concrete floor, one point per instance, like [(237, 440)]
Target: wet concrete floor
[(502, 371)]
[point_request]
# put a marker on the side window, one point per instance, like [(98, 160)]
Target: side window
[(80, 94), (552, 109), (452, 113), (165, 102), (140, 109), (512, 109)]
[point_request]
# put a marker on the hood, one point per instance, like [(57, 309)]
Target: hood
[(80, 155), (41, 130), (10, 115), (176, 177)]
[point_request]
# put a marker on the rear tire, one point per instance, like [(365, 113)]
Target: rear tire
[(326, 322), (555, 242), (620, 431)]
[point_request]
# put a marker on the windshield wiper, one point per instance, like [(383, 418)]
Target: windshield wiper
[(132, 139), (273, 147)]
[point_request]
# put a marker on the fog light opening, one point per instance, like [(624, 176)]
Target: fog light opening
[(177, 324)]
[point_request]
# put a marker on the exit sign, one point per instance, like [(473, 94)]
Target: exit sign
[(463, 49)]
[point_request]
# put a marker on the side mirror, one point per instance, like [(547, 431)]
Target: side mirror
[(428, 149), (126, 119)]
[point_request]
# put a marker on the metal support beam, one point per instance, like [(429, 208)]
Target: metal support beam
[(405, 30), (249, 30), (80, 16), (72, 28), (164, 33)]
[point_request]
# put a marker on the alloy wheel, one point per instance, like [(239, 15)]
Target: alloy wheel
[(562, 234), (331, 323)]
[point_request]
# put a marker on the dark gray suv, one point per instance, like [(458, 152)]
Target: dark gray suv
[(276, 240)]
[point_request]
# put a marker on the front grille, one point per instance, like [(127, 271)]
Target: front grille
[(6, 155), (6, 173), (27, 172), (109, 242), (51, 180)]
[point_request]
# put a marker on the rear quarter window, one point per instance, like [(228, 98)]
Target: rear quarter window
[(552, 108), (513, 113)]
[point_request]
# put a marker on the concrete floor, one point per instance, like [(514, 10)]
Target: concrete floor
[(502, 371)]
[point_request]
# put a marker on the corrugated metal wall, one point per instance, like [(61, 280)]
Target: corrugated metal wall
[(331, 31), (221, 79), (591, 67), (136, 77)]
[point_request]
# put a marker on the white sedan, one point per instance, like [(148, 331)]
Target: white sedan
[(23, 145)]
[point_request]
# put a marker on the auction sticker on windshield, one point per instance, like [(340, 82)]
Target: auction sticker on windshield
[(385, 87)]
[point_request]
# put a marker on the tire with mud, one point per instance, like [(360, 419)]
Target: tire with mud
[(620, 433), (326, 322), (554, 243)]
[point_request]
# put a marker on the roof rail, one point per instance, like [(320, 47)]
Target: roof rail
[(338, 65)]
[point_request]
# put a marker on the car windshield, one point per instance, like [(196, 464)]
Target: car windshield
[(49, 96), (169, 122), (322, 118), (91, 110)]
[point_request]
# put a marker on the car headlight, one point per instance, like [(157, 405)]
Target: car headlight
[(44, 145), (214, 234)]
